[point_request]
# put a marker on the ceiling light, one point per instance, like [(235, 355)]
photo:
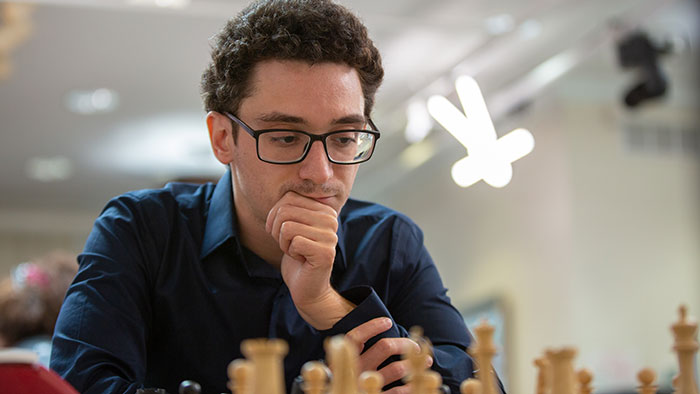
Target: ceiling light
[(499, 24), (49, 169), (489, 157), (530, 29), (162, 145), (88, 102)]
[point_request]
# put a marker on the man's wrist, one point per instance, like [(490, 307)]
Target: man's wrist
[(324, 313)]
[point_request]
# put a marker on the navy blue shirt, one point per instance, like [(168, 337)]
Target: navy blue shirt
[(165, 292)]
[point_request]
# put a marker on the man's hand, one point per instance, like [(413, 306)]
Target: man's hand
[(306, 232), (383, 349)]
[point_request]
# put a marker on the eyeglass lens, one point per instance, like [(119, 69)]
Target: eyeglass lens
[(289, 146)]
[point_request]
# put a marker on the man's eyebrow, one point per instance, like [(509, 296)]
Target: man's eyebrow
[(272, 117), (280, 117), (350, 119)]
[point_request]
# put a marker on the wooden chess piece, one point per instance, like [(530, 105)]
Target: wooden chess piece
[(686, 347), (315, 377), (417, 361), (562, 368), (646, 379), (371, 382), (240, 375), (431, 383), (268, 370), (585, 377), (483, 351), (341, 356), (544, 376), (470, 386)]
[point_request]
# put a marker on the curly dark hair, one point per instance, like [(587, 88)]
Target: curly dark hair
[(313, 31)]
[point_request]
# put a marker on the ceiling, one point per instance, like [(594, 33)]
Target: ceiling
[(152, 58)]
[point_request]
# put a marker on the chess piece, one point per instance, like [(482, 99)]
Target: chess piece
[(418, 362), (189, 387), (562, 368), (483, 351), (544, 376), (431, 383), (470, 386), (585, 377), (646, 379), (266, 357), (240, 375), (686, 346), (371, 382), (341, 356), (315, 377)]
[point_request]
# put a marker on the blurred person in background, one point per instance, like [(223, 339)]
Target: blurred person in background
[(30, 299)]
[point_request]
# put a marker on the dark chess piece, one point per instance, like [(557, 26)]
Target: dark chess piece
[(189, 387)]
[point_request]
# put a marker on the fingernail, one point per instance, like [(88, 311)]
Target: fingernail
[(429, 361), (387, 322)]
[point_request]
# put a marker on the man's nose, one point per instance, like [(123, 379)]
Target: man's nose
[(316, 167)]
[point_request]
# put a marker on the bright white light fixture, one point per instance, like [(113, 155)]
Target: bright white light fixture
[(489, 157), (167, 145), (88, 102), (49, 169), (499, 24)]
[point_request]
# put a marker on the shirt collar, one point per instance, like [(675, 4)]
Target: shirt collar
[(221, 214)]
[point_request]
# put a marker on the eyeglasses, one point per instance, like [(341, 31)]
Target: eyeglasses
[(282, 146)]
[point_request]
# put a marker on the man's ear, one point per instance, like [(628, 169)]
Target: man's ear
[(220, 136)]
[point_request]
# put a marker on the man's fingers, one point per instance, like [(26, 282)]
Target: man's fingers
[(291, 231), (362, 333), (398, 370), (288, 213), (383, 349), (295, 203), (395, 371), (316, 253)]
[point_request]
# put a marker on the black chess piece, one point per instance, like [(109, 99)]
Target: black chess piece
[(190, 387)]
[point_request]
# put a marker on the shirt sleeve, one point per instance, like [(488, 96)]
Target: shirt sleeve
[(414, 295), (99, 343)]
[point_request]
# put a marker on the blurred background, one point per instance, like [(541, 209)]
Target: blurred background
[(594, 243)]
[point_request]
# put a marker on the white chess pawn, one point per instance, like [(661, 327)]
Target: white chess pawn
[(646, 379), (315, 376), (371, 382), (240, 375), (470, 386), (585, 377)]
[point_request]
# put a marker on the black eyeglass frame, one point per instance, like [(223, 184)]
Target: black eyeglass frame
[(313, 138)]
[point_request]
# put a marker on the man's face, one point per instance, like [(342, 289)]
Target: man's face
[(296, 95)]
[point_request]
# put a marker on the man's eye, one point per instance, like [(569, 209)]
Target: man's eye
[(344, 139), (283, 139), (287, 140)]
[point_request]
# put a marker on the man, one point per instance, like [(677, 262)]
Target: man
[(172, 280)]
